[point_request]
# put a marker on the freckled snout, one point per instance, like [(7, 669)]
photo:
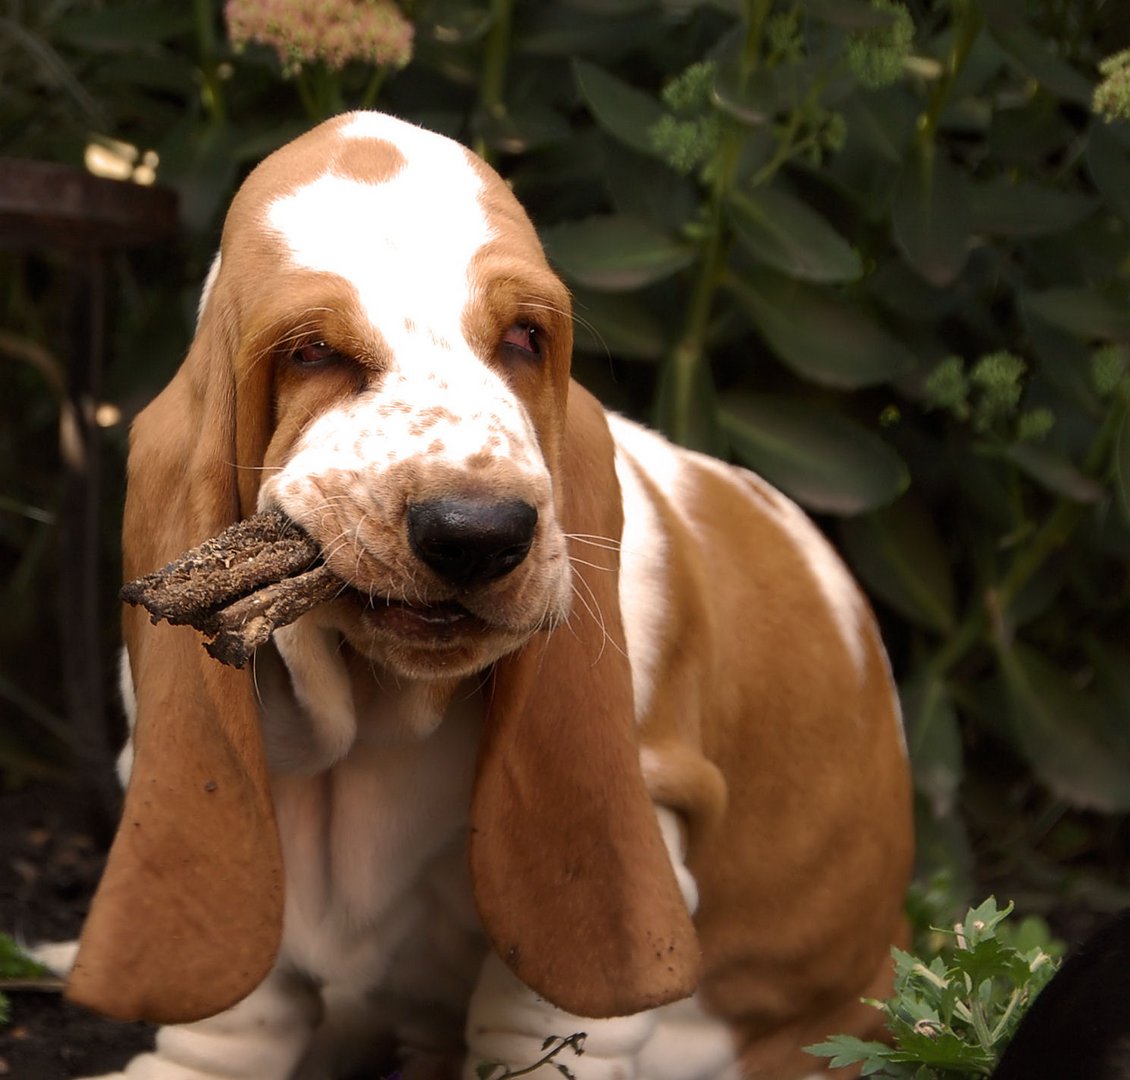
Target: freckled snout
[(470, 541)]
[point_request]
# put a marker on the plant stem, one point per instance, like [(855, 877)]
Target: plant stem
[(373, 88), (306, 94), (755, 29), (1013, 1001), (212, 94), (790, 146), (575, 1041), (969, 22), (1055, 531), (980, 1025), (492, 81), (688, 354)]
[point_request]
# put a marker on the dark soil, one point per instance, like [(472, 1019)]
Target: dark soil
[(50, 861)]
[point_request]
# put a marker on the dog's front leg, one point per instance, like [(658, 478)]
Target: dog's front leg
[(508, 1023), (263, 1037)]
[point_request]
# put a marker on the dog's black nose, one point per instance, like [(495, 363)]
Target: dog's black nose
[(470, 541)]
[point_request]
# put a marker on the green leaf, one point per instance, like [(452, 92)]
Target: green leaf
[(1001, 208), (820, 336), (777, 229), (616, 324), (640, 189), (1120, 466), (931, 215), (749, 97), (1058, 726), (623, 111), (847, 1050), (1081, 312), (879, 126), (982, 921), (1030, 50), (15, 963), (1108, 161), (850, 14), (822, 459), (1111, 661), (564, 31), (943, 1050), (125, 26), (900, 557), (992, 959), (933, 739), (686, 410), (453, 22), (606, 8), (615, 253), (522, 128), (158, 70), (1054, 472)]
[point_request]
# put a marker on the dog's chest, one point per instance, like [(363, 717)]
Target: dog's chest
[(375, 855)]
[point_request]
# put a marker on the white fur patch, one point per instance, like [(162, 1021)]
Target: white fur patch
[(405, 244), (667, 466), (209, 285), (644, 587)]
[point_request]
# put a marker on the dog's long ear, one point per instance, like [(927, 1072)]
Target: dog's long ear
[(571, 876), (188, 915)]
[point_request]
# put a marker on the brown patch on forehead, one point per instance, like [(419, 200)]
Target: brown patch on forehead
[(368, 161)]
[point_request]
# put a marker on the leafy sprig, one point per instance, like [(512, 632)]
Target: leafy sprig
[(951, 1016), (16, 968)]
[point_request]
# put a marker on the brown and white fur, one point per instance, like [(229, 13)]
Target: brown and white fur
[(640, 774)]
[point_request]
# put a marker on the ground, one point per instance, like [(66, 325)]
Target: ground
[(49, 864)]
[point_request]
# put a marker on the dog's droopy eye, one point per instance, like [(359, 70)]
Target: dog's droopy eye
[(315, 354), (524, 337)]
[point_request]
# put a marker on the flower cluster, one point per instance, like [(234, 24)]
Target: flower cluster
[(690, 136), (332, 32), (876, 56), (988, 396), (1112, 96), (1109, 366)]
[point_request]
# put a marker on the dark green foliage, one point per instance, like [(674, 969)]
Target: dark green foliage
[(875, 251)]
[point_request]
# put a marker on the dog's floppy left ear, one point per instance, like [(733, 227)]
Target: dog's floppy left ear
[(571, 876), (188, 914)]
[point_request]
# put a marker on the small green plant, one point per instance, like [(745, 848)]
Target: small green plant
[(16, 967), (952, 1016), (553, 1045)]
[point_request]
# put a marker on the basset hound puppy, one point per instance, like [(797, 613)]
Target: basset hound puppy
[(599, 738)]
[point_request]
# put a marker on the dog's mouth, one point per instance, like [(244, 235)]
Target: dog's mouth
[(439, 621)]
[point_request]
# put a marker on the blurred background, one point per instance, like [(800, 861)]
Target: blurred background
[(876, 251)]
